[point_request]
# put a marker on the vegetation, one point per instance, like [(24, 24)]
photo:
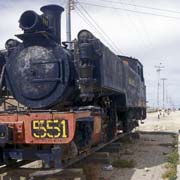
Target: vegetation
[(172, 162), (120, 163)]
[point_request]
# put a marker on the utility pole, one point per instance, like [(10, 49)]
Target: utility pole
[(69, 7), (163, 79), (158, 70), (167, 97)]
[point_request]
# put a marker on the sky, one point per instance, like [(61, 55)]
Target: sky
[(146, 30)]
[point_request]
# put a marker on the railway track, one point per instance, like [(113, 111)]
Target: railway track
[(18, 171)]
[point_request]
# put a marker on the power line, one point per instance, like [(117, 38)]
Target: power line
[(163, 79), (115, 48), (87, 21), (133, 11), (143, 26), (83, 17), (158, 70), (141, 6), (135, 27), (101, 30)]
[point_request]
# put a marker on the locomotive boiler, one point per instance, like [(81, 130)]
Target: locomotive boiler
[(79, 97)]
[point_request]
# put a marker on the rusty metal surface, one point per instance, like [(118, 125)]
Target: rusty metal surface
[(23, 127)]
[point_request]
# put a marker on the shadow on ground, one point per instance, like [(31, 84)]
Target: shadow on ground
[(148, 154)]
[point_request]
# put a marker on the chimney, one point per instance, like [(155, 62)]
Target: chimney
[(53, 13)]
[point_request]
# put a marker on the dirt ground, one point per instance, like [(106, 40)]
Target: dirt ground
[(170, 122), (148, 152)]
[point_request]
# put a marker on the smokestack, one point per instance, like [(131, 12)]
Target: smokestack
[(53, 13)]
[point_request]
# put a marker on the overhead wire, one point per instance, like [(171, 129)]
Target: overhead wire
[(129, 17), (133, 11), (89, 23), (143, 26), (136, 10), (147, 35), (140, 40), (83, 17), (141, 6), (100, 30)]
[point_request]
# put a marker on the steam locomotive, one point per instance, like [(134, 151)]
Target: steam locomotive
[(72, 99)]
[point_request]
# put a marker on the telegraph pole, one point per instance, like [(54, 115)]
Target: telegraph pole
[(158, 70), (69, 7), (163, 79)]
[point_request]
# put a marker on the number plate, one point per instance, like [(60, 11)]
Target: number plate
[(50, 128)]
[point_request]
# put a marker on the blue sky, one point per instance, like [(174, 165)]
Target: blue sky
[(151, 39)]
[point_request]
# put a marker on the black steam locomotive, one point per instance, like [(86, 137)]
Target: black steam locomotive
[(44, 75)]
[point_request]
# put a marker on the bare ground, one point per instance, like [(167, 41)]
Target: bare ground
[(168, 123), (149, 152)]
